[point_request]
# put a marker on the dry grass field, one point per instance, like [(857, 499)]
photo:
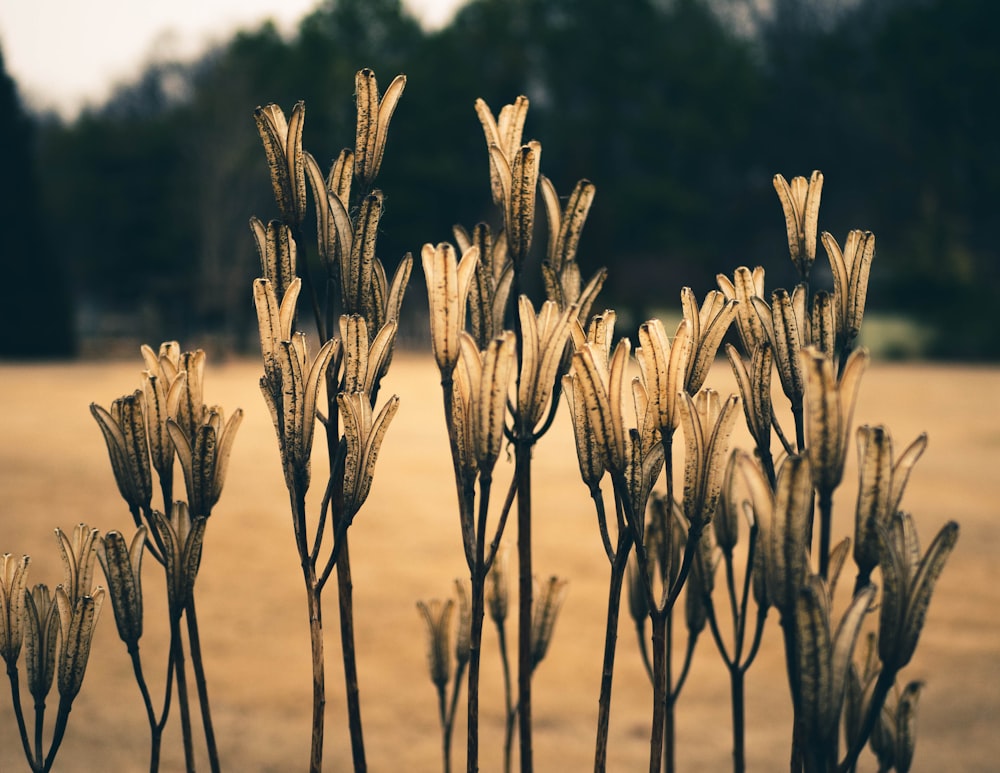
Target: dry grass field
[(405, 546)]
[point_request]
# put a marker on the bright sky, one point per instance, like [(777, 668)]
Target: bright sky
[(67, 53)]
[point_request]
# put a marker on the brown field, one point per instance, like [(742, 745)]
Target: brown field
[(405, 546)]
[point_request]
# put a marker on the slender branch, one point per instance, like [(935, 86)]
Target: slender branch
[(346, 589), (522, 472), (155, 731), (619, 564), (202, 685), (478, 582), (182, 694), (15, 694)]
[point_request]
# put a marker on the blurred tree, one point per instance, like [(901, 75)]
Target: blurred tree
[(38, 314), (680, 111)]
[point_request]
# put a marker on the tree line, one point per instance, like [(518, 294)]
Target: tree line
[(680, 112)]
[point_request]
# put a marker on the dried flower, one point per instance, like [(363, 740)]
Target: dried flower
[(283, 147), (543, 341), (504, 133), (437, 616), (124, 429), (908, 581), (363, 433), (448, 282), (708, 326), (664, 366), (785, 523), (204, 457), (491, 282), (851, 267), (800, 202), (13, 582), (277, 252), (41, 641), (181, 536), (744, 286), (824, 660), (122, 565), (78, 620), (482, 381), (880, 490), (708, 427), (894, 736), (290, 383), (548, 602), (373, 122), (830, 408), (496, 586)]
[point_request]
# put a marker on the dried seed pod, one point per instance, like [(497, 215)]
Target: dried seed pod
[(182, 537), (448, 282), (437, 616), (908, 582), (363, 433), (708, 326), (497, 591), (851, 268), (373, 122), (543, 340), (800, 203), (548, 602), (13, 582), (746, 284), (830, 409), (282, 139), (664, 366), (122, 565), (124, 430), (78, 619), (41, 641)]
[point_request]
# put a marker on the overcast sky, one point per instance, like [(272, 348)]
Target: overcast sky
[(66, 53)]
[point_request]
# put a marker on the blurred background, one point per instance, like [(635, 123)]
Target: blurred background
[(125, 216)]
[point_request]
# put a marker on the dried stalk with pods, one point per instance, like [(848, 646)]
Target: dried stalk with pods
[(352, 297), (481, 407), (147, 431)]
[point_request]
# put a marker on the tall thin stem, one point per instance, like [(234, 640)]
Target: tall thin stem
[(522, 471), (610, 645), (15, 694), (659, 625), (182, 694), (345, 587), (478, 582), (202, 685)]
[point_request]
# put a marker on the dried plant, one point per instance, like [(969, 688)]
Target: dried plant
[(730, 532)]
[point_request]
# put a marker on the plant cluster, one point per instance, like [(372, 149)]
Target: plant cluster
[(702, 535)]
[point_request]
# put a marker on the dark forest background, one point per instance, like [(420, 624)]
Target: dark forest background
[(131, 222)]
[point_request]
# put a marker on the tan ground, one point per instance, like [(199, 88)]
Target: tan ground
[(405, 546)]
